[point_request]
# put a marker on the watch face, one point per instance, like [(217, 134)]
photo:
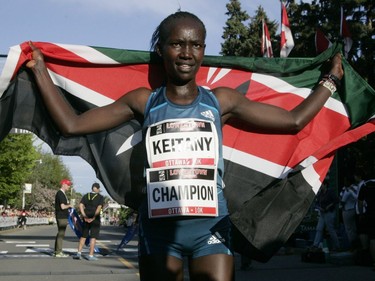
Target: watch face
[(334, 79)]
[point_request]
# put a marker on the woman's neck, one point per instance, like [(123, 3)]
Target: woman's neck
[(182, 95)]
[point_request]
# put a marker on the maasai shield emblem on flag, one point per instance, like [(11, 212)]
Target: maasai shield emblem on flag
[(270, 180)]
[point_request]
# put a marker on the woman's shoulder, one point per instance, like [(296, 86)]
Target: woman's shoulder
[(224, 90), (142, 90)]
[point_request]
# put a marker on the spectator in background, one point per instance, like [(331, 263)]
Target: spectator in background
[(358, 182), (327, 200), (90, 207), (62, 206), (366, 221), (22, 219), (363, 239), (348, 201)]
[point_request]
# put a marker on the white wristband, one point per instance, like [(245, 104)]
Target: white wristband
[(328, 85)]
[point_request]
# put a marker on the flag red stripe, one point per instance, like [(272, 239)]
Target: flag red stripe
[(276, 148), (255, 144)]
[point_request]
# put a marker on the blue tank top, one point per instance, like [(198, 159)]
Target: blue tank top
[(206, 108)]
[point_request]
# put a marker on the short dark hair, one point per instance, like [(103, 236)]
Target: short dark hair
[(161, 32), (95, 184)]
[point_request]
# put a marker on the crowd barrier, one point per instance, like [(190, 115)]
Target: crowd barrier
[(8, 222)]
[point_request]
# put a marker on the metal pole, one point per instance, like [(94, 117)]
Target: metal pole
[(23, 199)]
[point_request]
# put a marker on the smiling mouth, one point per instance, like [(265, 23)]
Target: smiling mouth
[(185, 67)]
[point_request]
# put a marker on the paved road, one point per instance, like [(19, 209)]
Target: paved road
[(26, 255)]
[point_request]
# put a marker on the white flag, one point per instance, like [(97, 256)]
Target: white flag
[(287, 42), (266, 41)]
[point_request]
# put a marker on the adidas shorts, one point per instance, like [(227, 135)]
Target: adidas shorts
[(186, 236)]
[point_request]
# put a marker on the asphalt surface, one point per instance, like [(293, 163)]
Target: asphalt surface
[(27, 255)]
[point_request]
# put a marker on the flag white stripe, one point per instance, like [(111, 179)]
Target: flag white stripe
[(312, 178), (88, 53), (309, 173), (9, 68), (80, 91), (255, 163), (279, 85), (272, 169), (130, 142), (221, 74)]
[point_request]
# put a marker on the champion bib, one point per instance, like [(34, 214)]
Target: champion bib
[(183, 155)]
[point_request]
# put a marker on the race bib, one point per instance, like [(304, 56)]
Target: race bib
[(182, 192), (183, 156)]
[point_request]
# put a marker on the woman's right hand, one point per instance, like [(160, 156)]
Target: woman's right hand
[(37, 58), (336, 66)]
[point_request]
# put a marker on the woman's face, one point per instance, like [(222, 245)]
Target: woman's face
[(183, 50)]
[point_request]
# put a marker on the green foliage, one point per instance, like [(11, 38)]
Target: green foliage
[(124, 214), (46, 174), (235, 31), (17, 157), (49, 171), (21, 162), (252, 46), (244, 40)]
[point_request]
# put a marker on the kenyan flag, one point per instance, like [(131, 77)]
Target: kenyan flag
[(270, 179)]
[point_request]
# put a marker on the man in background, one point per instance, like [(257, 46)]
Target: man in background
[(366, 219), (348, 201), (327, 200), (62, 206), (90, 207)]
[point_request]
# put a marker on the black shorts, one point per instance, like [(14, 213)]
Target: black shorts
[(91, 229)]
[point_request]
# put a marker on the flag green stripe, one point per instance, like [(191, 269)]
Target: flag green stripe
[(275, 66), (129, 56), (357, 95)]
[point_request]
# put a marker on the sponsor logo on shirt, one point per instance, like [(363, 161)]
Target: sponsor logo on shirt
[(208, 114)]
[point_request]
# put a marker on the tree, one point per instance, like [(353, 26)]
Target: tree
[(41, 198), (17, 157), (252, 46), (361, 20), (45, 179), (326, 15), (304, 18), (235, 31), (49, 171)]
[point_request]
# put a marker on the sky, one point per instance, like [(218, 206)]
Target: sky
[(124, 24)]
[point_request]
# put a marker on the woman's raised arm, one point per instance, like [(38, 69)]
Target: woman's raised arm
[(94, 120)]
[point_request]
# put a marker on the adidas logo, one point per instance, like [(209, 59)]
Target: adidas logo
[(215, 239), (208, 114)]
